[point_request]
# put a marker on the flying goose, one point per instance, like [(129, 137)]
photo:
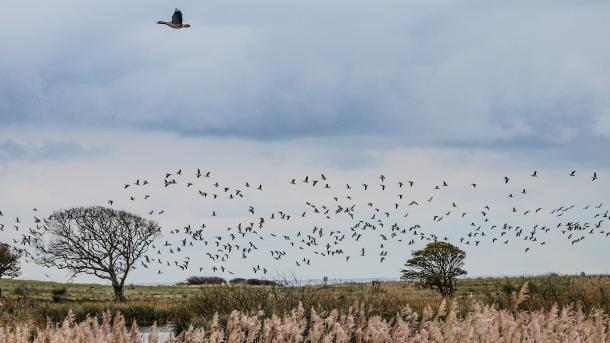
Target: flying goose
[(176, 22)]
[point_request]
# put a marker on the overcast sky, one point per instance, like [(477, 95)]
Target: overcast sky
[(95, 94)]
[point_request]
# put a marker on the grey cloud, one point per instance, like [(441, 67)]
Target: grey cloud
[(11, 150), (484, 73)]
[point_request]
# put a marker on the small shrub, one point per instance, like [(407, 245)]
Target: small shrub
[(259, 282), (237, 281), (22, 291), (508, 288), (59, 294), (376, 285), (205, 280)]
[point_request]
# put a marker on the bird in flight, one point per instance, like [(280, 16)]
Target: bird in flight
[(176, 22)]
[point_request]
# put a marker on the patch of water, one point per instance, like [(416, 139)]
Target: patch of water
[(164, 332)]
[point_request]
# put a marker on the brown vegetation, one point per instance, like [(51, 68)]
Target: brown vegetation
[(475, 322)]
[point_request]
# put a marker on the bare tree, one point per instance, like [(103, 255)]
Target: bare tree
[(9, 262), (98, 241)]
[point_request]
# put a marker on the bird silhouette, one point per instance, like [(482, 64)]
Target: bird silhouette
[(176, 23)]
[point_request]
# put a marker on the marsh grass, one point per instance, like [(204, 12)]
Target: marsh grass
[(37, 313), (588, 293), (183, 306), (449, 323), (385, 301)]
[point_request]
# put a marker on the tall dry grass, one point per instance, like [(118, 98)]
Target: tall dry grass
[(385, 301), (480, 323)]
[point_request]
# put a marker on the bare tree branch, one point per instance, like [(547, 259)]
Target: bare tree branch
[(97, 241)]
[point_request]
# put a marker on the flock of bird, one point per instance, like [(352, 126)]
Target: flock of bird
[(340, 226)]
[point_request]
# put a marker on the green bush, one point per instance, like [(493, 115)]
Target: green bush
[(508, 288), (59, 294), (259, 282), (237, 281), (204, 280)]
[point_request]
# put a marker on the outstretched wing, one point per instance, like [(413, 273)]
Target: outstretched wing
[(177, 17)]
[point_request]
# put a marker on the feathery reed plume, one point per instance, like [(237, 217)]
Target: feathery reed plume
[(518, 298), (483, 323)]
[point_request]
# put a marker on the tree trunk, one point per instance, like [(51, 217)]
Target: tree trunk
[(118, 292)]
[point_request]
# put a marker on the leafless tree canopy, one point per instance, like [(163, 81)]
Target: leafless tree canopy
[(97, 240)]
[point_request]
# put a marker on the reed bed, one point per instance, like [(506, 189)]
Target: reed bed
[(475, 323), (181, 307)]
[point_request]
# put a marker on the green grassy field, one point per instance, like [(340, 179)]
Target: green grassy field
[(41, 290), (184, 305), (92, 292)]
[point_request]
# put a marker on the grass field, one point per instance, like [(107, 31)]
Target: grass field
[(41, 290), (92, 292), (31, 301)]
